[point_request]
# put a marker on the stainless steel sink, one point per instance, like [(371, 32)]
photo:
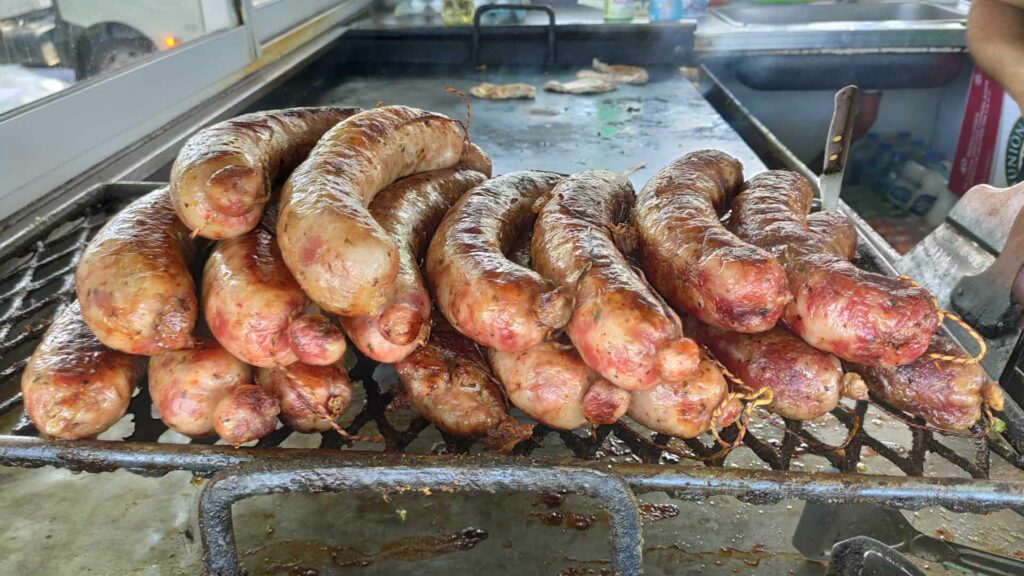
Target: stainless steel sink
[(838, 13)]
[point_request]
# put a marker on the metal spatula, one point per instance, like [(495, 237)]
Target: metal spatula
[(822, 525)]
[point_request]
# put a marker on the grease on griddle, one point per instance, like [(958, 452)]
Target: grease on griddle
[(651, 512)]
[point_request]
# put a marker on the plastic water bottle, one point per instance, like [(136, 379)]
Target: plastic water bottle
[(907, 185), (861, 155), (875, 166)]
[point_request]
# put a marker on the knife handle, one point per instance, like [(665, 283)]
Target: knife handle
[(840, 132)]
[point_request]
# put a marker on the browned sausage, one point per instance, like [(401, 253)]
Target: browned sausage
[(257, 310), (340, 255), (551, 384), (247, 413), (482, 293), (620, 326), (134, 282), (449, 383), (474, 158), (74, 386), (948, 395), (856, 315), (691, 258), (222, 177), (685, 409), (187, 385), (409, 210), (806, 383), (312, 397)]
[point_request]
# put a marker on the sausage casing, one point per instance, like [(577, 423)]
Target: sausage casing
[(344, 260), (311, 397), (409, 210), (187, 385), (134, 280), (857, 315), (74, 386), (448, 381), (222, 177), (620, 326), (690, 257), (257, 310), (247, 413), (485, 296), (686, 409)]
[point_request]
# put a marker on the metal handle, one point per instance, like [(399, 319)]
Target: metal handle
[(489, 7), (967, 559), (863, 556), (220, 553)]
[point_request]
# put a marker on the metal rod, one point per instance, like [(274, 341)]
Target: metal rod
[(220, 553)]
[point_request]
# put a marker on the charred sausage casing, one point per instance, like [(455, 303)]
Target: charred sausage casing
[(620, 326), (339, 254), (134, 280), (247, 413), (806, 383), (449, 383), (686, 409), (312, 397), (948, 395), (859, 316), (222, 177), (689, 256), (74, 386), (257, 310), (409, 210), (187, 385), (551, 384), (485, 296)]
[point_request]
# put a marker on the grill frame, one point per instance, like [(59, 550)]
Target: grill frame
[(36, 275)]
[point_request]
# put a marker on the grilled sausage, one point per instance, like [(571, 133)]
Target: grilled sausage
[(340, 255), (689, 256), (620, 326), (806, 382), (685, 409), (449, 383), (257, 310), (187, 385), (409, 210), (222, 177), (134, 281), (856, 315), (247, 413), (551, 384), (311, 397), (74, 386), (948, 395), (474, 158), (482, 293)]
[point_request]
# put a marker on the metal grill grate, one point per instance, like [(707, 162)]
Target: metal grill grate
[(38, 276)]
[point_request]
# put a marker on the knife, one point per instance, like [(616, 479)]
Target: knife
[(837, 147)]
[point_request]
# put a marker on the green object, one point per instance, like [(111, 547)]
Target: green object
[(457, 12), (619, 10), (782, 1), (998, 426)]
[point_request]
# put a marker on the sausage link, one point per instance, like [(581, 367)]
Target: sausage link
[(806, 382), (856, 315), (247, 413), (689, 256), (74, 386), (340, 255), (474, 158), (482, 293), (948, 395), (685, 409), (257, 310), (187, 385), (134, 280), (311, 397), (409, 211), (449, 383), (551, 384), (620, 326), (222, 177)]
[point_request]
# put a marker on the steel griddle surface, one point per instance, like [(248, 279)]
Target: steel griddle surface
[(651, 124)]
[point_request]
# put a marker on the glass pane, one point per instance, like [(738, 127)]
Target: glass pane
[(48, 45)]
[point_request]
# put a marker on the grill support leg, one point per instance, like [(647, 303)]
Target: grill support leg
[(220, 553)]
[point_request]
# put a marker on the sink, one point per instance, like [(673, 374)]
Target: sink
[(835, 13)]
